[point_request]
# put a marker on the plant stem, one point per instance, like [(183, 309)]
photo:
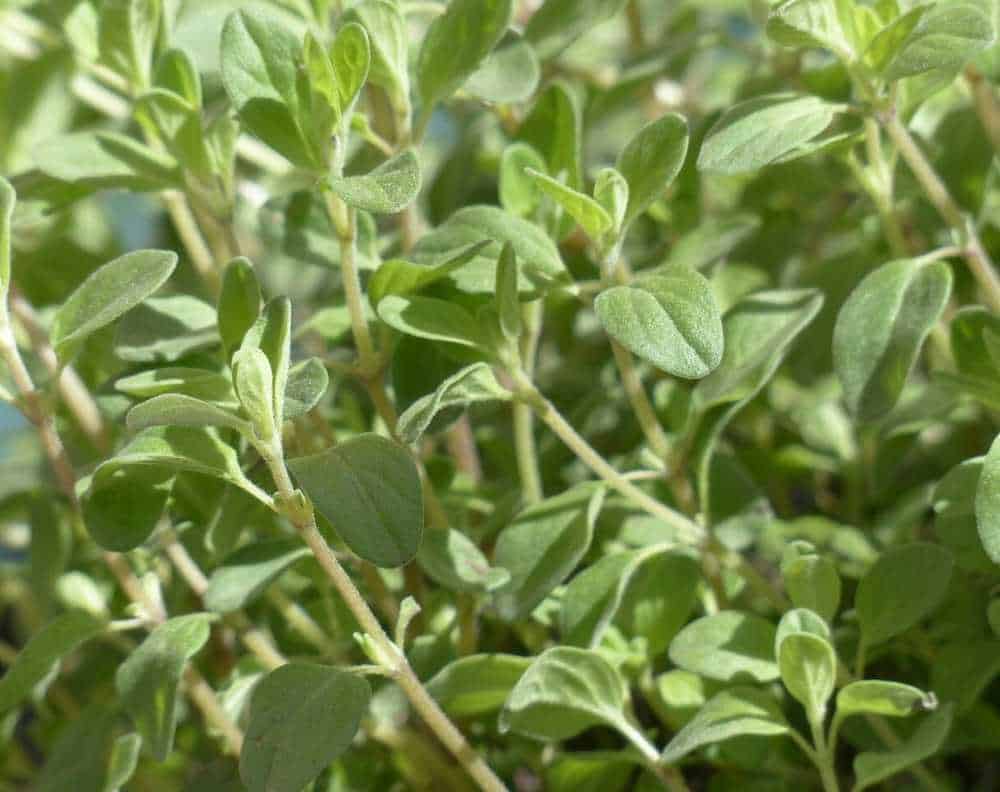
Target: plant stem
[(975, 254), (984, 99), (191, 237), (391, 657), (204, 697), (687, 529), (525, 448), (823, 758)]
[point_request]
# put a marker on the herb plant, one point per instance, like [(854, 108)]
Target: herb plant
[(566, 395)]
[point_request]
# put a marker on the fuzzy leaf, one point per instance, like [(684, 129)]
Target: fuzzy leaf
[(651, 161), (388, 189), (728, 646), (478, 684)]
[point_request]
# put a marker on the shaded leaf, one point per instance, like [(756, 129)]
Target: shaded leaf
[(478, 684), (388, 189), (728, 646), (246, 574)]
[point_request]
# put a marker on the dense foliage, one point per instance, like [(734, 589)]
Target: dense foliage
[(578, 395)]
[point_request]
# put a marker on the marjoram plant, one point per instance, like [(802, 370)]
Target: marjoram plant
[(534, 395)]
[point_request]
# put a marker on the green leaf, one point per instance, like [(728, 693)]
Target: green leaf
[(254, 382), (508, 306), (542, 546), (811, 23), (128, 31), (889, 699), (963, 670), (387, 35), (272, 334), (78, 759), (558, 23), (350, 56), (388, 189), (302, 717), (903, 586), (433, 319), (565, 691), (307, 382), (519, 192), (44, 649), (239, 303), (196, 382), (478, 684), (123, 506), (259, 60), (105, 161), (456, 44), (246, 574), (871, 767), (369, 489), (541, 267), (891, 39), (397, 276), (592, 598), (809, 671), (7, 200), (166, 329), (988, 503), (758, 332), (651, 161), (881, 328), (106, 295), (955, 523), (732, 713), (473, 384), (727, 646), (668, 318), (178, 73), (611, 192), (712, 240), (812, 582), (175, 409), (591, 216), (800, 620), (760, 131), (509, 74), (944, 38), (554, 129), (123, 761), (148, 680), (454, 561)]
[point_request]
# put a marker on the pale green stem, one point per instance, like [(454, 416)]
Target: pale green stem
[(524, 418), (823, 758), (936, 191), (651, 757)]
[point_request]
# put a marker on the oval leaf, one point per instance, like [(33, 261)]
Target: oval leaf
[(988, 503), (651, 160), (727, 646), (244, 575), (388, 189), (478, 684)]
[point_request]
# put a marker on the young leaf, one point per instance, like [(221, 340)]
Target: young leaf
[(350, 56), (272, 334), (128, 30), (871, 767), (877, 697), (397, 276), (387, 35), (246, 574), (988, 503), (732, 713), (196, 382), (255, 389), (148, 680), (45, 648), (592, 597), (79, 757), (887, 44), (105, 161), (668, 318), (307, 382), (812, 582), (881, 329), (558, 23), (456, 43), (591, 216), (809, 671), (473, 384), (175, 409), (239, 303), (554, 129), (388, 189), (542, 546), (507, 304), (611, 192), (906, 584), (107, 294), (123, 506), (519, 192), (478, 684), (302, 717), (454, 561), (812, 23), (728, 645), (800, 620), (565, 691), (433, 319), (759, 131), (165, 329), (369, 489), (944, 38), (651, 160), (509, 74)]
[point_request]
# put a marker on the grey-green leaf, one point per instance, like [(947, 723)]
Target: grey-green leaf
[(871, 767), (988, 503), (477, 684), (239, 303), (809, 671), (369, 489), (902, 587), (759, 131), (244, 575), (7, 200), (45, 648), (388, 189), (454, 561), (307, 382), (509, 74), (148, 680), (651, 161), (558, 23), (302, 717), (591, 216), (727, 646), (106, 160), (945, 38), (565, 691), (175, 409), (456, 43), (387, 36), (881, 328), (812, 23), (668, 318), (107, 294), (731, 713), (878, 697), (433, 319)]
